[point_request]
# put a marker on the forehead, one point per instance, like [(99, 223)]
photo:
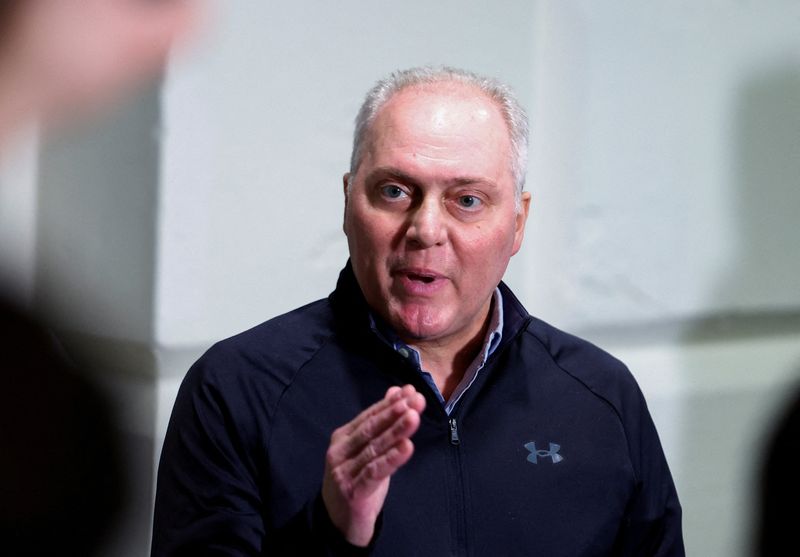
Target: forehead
[(442, 121)]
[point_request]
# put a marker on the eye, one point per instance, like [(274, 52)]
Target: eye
[(469, 202), (392, 191)]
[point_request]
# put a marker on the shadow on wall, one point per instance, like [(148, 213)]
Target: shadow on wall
[(770, 184), (724, 429), (768, 191)]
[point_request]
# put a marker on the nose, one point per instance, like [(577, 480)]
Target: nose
[(427, 226)]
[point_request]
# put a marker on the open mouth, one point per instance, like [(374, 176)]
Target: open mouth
[(416, 281), (427, 279)]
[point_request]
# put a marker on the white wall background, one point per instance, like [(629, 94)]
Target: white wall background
[(665, 164)]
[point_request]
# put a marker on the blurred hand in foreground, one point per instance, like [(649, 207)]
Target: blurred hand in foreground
[(58, 56)]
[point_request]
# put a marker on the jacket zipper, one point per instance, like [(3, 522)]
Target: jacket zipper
[(454, 440), (457, 497)]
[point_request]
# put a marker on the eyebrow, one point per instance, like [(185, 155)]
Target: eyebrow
[(396, 173)]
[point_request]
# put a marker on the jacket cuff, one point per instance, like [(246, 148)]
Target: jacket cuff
[(334, 540)]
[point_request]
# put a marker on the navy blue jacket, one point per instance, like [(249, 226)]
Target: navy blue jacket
[(551, 451)]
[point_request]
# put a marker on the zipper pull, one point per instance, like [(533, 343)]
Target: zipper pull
[(454, 440)]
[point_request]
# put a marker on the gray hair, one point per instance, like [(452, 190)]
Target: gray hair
[(501, 94)]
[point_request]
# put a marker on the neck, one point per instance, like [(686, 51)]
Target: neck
[(448, 359)]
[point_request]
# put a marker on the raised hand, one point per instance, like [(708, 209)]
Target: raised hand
[(363, 455), (58, 55)]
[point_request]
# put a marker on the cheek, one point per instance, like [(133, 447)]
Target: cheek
[(486, 242), (369, 238), (485, 255), (380, 231)]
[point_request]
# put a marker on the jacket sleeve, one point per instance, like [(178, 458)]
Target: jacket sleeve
[(211, 479), (652, 525)]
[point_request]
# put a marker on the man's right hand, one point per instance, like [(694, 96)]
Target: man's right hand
[(363, 455)]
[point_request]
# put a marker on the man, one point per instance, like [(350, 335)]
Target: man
[(493, 434)]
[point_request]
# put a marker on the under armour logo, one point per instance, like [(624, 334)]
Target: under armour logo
[(535, 455)]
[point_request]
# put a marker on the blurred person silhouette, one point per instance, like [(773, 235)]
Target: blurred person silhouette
[(780, 487), (61, 483)]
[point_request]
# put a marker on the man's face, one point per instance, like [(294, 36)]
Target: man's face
[(430, 217)]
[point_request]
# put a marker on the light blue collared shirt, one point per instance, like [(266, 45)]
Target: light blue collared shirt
[(491, 341)]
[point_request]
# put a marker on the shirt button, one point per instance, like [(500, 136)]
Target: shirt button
[(403, 352)]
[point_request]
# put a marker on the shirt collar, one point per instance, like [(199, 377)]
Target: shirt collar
[(494, 335)]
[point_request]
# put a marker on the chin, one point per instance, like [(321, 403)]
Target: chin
[(419, 327)]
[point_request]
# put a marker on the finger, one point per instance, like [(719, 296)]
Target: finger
[(348, 440), (403, 428), (393, 394), (416, 401), (146, 31), (347, 446), (381, 423), (157, 24), (372, 475)]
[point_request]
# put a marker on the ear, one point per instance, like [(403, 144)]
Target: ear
[(345, 180), (520, 220)]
